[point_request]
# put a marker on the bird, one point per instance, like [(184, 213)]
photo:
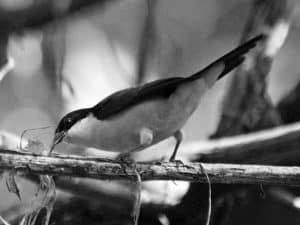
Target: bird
[(135, 118)]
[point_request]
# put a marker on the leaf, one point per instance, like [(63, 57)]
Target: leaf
[(45, 199), (11, 183)]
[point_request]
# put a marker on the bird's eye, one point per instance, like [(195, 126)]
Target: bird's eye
[(69, 120)]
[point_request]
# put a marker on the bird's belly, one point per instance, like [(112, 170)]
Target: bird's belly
[(122, 134)]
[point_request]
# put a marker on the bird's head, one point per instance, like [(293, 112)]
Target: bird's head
[(66, 124)]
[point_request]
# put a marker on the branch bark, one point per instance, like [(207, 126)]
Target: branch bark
[(272, 146), (109, 169)]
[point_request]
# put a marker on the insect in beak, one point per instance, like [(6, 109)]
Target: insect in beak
[(58, 137)]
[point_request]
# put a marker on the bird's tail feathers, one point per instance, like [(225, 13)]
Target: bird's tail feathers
[(231, 60)]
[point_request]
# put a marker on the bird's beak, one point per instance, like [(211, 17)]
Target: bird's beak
[(58, 137)]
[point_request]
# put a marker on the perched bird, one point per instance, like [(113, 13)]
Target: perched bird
[(136, 118)]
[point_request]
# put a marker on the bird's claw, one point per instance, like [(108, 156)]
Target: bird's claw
[(171, 160), (177, 162), (126, 162), (182, 164)]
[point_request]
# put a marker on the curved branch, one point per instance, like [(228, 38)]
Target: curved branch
[(271, 146)]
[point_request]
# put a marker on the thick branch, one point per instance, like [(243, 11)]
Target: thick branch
[(272, 146), (109, 169)]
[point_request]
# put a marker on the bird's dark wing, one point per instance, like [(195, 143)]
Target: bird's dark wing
[(124, 99)]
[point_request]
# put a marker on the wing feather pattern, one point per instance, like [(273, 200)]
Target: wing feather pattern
[(125, 99)]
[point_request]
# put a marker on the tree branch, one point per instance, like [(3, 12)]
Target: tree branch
[(110, 169), (271, 146)]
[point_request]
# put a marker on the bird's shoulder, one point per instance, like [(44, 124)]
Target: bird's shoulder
[(126, 98)]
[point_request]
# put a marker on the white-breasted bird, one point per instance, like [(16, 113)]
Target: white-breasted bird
[(136, 118)]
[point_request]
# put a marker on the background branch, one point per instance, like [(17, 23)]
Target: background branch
[(272, 146)]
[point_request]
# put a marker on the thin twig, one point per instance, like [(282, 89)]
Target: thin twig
[(209, 195), (137, 206), (285, 197), (4, 221), (6, 68)]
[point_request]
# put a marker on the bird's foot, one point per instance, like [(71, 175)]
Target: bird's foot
[(164, 160), (160, 161), (182, 164), (177, 162), (124, 157), (126, 162)]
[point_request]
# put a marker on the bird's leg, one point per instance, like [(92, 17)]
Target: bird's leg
[(126, 161), (178, 135), (124, 157)]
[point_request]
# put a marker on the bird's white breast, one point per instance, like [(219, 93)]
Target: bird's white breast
[(121, 133)]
